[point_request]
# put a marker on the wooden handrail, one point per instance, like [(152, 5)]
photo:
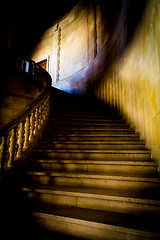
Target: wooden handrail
[(18, 136)]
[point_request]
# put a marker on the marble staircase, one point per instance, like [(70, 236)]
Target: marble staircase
[(91, 176)]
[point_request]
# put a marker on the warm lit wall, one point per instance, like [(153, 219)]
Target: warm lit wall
[(82, 37), (134, 86)]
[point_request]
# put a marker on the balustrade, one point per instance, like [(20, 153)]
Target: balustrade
[(17, 136)]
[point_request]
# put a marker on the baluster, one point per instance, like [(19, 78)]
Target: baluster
[(48, 103), (20, 140), (3, 152), (45, 109), (40, 116), (12, 147), (32, 126), (43, 114), (36, 120), (27, 133)]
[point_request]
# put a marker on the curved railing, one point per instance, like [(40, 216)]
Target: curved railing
[(18, 136)]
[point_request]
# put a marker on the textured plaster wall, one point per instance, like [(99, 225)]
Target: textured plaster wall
[(134, 85), (82, 37)]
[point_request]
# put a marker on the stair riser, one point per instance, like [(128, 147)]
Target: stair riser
[(82, 108), (90, 135), (89, 138), (91, 146), (88, 230), (74, 118), (93, 156), (110, 205), (84, 125), (89, 129), (84, 114), (86, 122), (60, 122), (94, 183), (94, 131), (92, 119), (85, 119), (100, 168)]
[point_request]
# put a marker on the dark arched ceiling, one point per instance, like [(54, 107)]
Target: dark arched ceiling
[(25, 21)]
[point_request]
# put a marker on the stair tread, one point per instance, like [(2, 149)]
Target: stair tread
[(99, 136), (84, 113), (95, 142), (102, 134), (85, 121), (91, 145), (98, 162), (92, 137), (95, 175), (95, 151), (109, 194), (89, 125), (93, 130), (86, 118), (116, 219), (103, 228)]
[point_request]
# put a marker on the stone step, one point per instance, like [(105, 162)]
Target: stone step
[(121, 141), (87, 112), (116, 155), (129, 193), (92, 145), (90, 137), (87, 124), (82, 108), (94, 180), (80, 131), (91, 117), (113, 167), (98, 133), (87, 200), (89, 128), (95, 225), (87, 121)]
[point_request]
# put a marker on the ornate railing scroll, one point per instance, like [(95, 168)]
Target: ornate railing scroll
[(18, 136)]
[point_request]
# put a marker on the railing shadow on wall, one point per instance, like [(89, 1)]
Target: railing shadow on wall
[(19, 136)]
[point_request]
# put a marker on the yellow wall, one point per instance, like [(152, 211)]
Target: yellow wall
[(134, 86)]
